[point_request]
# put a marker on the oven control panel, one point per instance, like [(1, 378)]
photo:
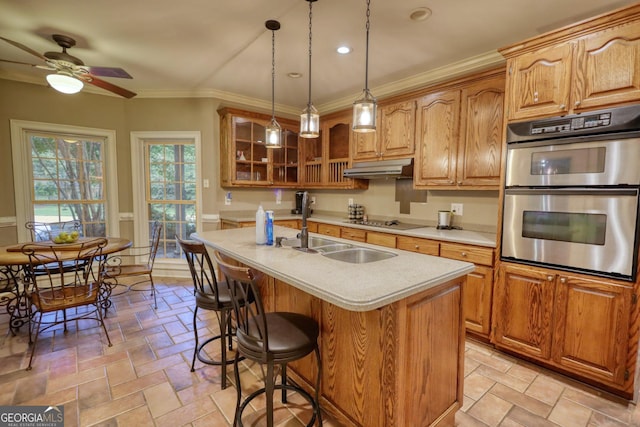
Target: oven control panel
[(571, 123)]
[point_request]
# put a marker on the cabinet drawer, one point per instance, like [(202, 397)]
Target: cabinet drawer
[(353, 234), (414, 244), (382, 239), (312, 227), (329, 230), (474, 254), (290, 223)]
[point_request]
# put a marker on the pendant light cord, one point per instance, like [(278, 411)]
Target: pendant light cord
[(310, 20), (273, 74), (366, 67)]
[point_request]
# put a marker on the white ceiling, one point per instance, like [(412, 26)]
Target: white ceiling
[(221, 47)]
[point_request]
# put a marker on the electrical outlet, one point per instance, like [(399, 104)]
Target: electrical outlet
[(278, 197), (205, 183), (313, 200), (350, 202), (456, 208)]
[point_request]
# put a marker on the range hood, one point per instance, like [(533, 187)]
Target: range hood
[(399, 168)]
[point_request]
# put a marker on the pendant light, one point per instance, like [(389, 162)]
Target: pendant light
[(310, 119), (273, 131), (364, 109)]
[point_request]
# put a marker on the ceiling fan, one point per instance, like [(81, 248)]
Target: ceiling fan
[(70, 72)]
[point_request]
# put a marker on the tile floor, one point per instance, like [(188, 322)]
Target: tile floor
[(144, 379)]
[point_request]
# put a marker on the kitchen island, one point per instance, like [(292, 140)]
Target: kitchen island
[(392, 331)]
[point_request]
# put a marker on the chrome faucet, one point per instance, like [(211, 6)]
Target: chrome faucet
[(304, 232)]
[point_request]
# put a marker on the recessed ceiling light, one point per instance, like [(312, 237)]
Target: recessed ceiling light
[(343, 50), (420, 14), (294, 75)]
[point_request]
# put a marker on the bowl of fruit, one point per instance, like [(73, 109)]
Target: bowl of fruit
[(64, 237)]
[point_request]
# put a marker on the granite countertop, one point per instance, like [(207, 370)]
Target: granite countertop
[(469, 237), (354, 287)]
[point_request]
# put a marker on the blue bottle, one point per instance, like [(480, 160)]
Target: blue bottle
[(269, 227)]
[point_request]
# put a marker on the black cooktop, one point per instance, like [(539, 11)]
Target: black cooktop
[(391, 224)]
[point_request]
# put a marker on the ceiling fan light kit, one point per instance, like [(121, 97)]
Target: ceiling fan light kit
[(364, 108), (64, 82), (310, 119), (70, 72), (273, 131)]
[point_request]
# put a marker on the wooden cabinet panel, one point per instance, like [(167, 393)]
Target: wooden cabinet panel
[(381, 239), (474, 254), (436, 150), (592, 327), (353, 234), (290, 223), (478, 296), (329, 230), (312, 226), (523, 309), (480, 145), (607, 70), (290, 299), (415, 244), (539, 82)]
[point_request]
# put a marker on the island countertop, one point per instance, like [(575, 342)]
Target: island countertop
[(354, 287)]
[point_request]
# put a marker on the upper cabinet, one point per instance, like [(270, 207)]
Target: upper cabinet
[(326, 157), (245, 161), (395, 136), (459, 135), (592, 65)]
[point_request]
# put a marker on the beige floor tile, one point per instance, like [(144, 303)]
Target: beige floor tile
[(521, 417), (188, 413), (161, 399), (523, 401), (490, 409), (93, 393), (609, 406), (476, 385), (503, 378), (567, 413), (545, 389)]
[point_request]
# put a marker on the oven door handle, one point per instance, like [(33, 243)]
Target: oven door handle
[(572, 191)]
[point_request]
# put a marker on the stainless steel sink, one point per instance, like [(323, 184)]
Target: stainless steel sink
[(314, 242), (359, 255), (332, 247)]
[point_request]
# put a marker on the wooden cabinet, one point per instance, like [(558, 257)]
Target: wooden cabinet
[(395, 137), (226, 224), (478, 293), (326, 157), (416, 244), (459, 136), (329, 230), (589, 66), (523, 312), (576, 323), (245, 161), (353, 234), (381, 239)]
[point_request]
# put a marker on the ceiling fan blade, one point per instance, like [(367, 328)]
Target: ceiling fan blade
[(25, 48), (109, 72), (18, 62), (107, 86)]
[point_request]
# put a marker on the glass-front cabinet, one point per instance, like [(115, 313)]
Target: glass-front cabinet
[(245, 161)]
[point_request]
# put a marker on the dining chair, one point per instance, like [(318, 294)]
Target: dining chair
[(273, 338), (73, 294), (210, 294), (123, 266)]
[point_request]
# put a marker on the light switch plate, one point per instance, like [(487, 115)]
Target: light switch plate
[(456, 208)]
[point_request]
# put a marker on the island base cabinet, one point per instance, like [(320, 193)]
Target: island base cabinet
[(400, 365)]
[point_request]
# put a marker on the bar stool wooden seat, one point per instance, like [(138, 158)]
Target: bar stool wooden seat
[(274, 338)]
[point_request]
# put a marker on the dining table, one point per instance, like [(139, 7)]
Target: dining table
[(13, 262)]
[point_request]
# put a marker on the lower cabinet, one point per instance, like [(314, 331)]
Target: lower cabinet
[(578, 324)]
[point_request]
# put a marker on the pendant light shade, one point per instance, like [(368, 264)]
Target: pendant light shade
[(364, 109), (64, 82), (273, 131), (310, 119)]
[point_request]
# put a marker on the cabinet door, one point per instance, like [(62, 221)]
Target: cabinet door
[(539, 83), (312, 167), (397, 130), (381, 239), (336, 148), (365, 146), (290, 299), (437, 141), (353, 234), (477, 300), (329, 230), (523, 309), (480, 146), (592, 327), (608, 68), (416, 244), (285, 160)]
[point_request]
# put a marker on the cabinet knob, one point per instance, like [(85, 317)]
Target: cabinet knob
[(417, 246), (464, 254), (562, 106), (550, 278), (577, 103), (563, 280), (459, 182)]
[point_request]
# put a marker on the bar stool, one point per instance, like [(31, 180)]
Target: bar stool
[(210, 295), (269, 339)]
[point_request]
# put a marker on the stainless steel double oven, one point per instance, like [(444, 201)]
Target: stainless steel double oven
[(571, 193)]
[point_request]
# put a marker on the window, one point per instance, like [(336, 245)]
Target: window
[(171, 191), (68, 180), (165, 179), (65, 173)]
